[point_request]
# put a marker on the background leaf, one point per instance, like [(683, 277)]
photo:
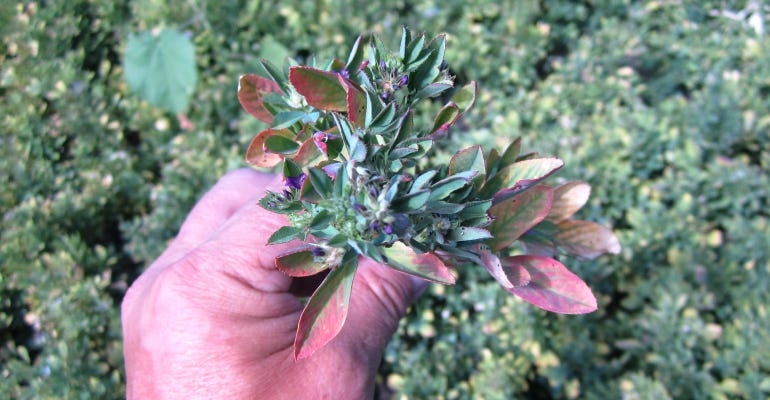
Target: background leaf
[(160, 68)]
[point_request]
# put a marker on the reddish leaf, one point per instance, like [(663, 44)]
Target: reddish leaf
[(355, 99), (427, 266), (256, 154), (251, 88), (321, 89), (585, 239), (515, 216), (325, 312), (509, 278), (307, 153), (553, 287), (568, 199), (299, 262)]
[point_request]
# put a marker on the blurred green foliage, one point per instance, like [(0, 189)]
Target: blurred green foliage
[(661, 106)]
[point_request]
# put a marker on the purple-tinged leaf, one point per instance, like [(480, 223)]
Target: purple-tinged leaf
[(585, 239), (299, 262), (257, 153), (321, 89), (568, 199), (251, 88), (326, 311), (552, 286), (427, 266), (515, 216), (509, 278)]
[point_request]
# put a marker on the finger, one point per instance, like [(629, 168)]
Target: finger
[(242, 252), (229, 194), (226, 197)]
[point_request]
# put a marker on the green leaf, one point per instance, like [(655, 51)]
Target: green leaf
[(469, 159), (428, 266), (414, 49), (515, 216), (412, 201), (356, 56), (519, 176), (271, 49), (321, 182), (422, 180), (476, 209), (446, 186), (321, 220), (467, 234), (276, 74), (286, 234), (280, 145), (465, 97), (286, 119), (161, 68), (326, 310), (511, 153), (299, 262), (432, 90)]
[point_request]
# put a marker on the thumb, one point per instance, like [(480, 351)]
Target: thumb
[(379, 299)]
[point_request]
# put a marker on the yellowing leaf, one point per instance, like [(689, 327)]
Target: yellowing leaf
[(251, 89), (568, 199), (585, 239)]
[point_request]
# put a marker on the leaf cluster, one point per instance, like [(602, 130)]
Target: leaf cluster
[(356, 183)]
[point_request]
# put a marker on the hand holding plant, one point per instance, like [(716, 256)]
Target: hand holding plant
[(359, 182)]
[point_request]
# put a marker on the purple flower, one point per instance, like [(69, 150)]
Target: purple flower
[(358, 207), (345, 74), (403, 81), (296, 182), (388, 229), (318, 252)]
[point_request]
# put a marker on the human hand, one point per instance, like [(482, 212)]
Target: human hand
[(213, 318)]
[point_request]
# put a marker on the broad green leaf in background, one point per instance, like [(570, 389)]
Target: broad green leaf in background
[(160, 68)]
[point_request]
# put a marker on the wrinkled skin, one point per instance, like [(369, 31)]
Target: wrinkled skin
[(213, 318)]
